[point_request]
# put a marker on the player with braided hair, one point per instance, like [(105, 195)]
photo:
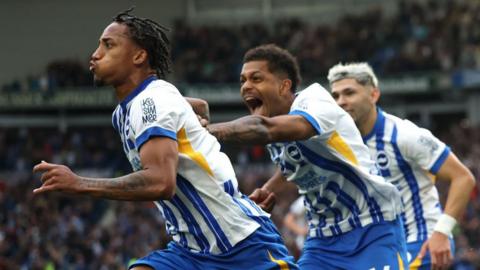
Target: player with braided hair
[(176, 162)]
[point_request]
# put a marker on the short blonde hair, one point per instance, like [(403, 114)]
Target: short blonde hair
[(361, 72)]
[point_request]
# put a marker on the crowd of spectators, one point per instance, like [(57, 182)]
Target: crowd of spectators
[(422, 36), (55, 231)]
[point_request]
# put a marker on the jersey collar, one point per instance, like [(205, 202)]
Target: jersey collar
[(137, 90), (378, 125)]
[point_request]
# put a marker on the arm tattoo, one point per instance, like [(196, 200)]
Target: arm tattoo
[(249, 129), (134, 186)]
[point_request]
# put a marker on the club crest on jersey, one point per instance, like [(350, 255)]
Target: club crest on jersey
[(149, 111), (293, 152), (382, 160)]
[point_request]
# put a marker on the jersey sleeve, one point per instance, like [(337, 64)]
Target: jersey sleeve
[(157, 113), (422, 147), (316, 108)]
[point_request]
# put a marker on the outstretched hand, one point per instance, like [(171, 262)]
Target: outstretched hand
[(264, 198), (439, 247), (56, 177)]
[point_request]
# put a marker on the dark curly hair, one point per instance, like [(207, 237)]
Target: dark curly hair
[(279, 61), (150, 36)]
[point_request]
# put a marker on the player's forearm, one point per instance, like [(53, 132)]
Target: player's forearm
[(200, 107), (249, 129), (459, 194), (276, 183), (137, 186)]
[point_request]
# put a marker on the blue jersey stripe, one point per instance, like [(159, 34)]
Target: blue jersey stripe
[(336, 212), (189, 191), (115, 122), (441, 159), (154, 132), (321, 218), (252, 204), (404, 221), (193, 226), (248, 212), (309, 118), (170, 217), (228, 187), (348, 201), (413, 185), (348, 174), (380, 145)]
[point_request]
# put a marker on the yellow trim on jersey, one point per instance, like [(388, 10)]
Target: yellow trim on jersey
[(337, 143), (432, 177), (415, 263), (186, 148), (283, 265), (400, 262)]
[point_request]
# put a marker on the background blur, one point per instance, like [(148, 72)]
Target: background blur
[(425, 53)]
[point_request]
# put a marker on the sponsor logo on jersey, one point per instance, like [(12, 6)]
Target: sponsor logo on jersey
[(149, 111)]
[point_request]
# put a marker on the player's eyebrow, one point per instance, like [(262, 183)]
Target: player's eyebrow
[(105, 39)]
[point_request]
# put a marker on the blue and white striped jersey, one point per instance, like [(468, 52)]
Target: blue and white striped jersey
[(409, 157), (333, 169), (207, 214)]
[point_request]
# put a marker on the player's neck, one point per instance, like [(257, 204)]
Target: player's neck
[(368, 123), (130, 84)]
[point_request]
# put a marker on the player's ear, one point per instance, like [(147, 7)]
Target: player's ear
[(375, 94), (140, 57), (286, 87)]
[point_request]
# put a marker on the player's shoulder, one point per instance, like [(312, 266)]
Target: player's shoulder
[(408, 133), (403, 125), (160, 85), (159, 91), (313, 90), (313, 94)]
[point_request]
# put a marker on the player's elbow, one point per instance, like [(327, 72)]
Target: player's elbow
[(163, 188), (470, 179), (168, 192)]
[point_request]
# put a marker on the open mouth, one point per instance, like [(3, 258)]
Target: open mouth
[(253, 104)]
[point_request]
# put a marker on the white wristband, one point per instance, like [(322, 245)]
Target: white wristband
[(445, 224)]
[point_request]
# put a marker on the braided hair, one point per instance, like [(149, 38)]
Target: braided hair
[(150, 36)]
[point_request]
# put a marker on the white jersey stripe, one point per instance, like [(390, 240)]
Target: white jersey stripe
[(193, 226), (413, 184), (186, 187), (172, 223), (346, 172)]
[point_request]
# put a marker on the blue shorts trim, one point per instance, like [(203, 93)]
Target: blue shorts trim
[(374, 246), (262, 250)]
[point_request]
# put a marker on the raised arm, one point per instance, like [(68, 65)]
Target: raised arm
[(254, 129), (157, 179)]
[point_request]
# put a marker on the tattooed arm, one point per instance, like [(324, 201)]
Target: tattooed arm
[(157, 179), (256, 129)]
